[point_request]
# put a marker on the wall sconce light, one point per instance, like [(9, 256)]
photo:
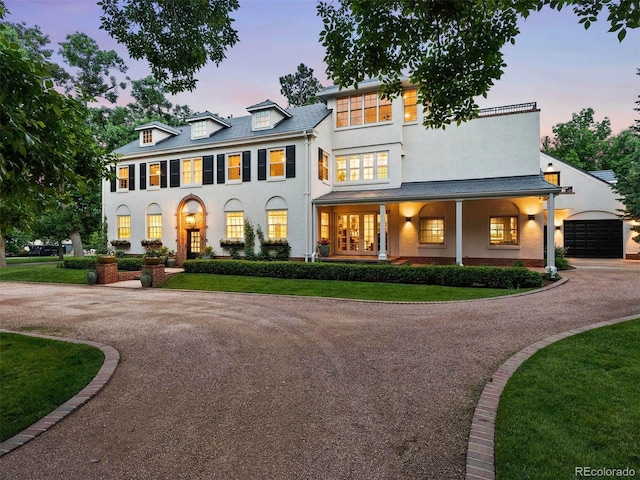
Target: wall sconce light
[(531, 217), (408, 219), (558, 227), (190, 220), (550, 164)]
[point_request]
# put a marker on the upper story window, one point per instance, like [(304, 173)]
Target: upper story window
[(192, 171), (262, 119), (234, 166), (362, 108), (123, 177), (154, 176), (362, 167), (199, 129), (147, 136), (552, 177), (410, 97), (432, 230), (323, 165), (504, 230), (276, 163)]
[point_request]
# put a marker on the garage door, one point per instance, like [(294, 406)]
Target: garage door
[(593, 238)]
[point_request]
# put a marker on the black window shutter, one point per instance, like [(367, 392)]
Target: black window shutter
[(246, 166), (320, 164), (163, 174), (174, 173), (143, 176), (114, 183), (220, 168), (132, 177), (291, 161), (207, 170), (262, 164)]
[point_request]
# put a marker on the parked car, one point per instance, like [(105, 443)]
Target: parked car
[(43, 251)]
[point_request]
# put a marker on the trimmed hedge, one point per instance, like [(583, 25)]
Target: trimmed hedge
[(446, 275), (89, 263)]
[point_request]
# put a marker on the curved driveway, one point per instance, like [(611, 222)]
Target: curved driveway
[(229, 386)]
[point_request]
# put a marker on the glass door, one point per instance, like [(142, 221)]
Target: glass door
[(357, 234), (193, 243)]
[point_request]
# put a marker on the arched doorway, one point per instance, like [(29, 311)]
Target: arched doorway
[(192, 228)]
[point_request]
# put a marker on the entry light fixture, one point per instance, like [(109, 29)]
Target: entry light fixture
[(550, 164), (408, 219), (558, 227), (190, 219), (531, 217)]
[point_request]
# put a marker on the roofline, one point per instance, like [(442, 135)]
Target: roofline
[(580, 170), (159, 126)]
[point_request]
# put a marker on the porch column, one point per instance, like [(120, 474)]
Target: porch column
[(459, 232), (551, 230), (382, 254)]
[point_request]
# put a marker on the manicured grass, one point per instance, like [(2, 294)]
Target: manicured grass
[(575, 403), (19, 260), (37, 375), (327, 288), (43, 273)]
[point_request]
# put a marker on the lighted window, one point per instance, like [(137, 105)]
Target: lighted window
[(324, 225), (362, 108), (154, 226), (234, 228), (233, 167), (262, 119), (199, 129), (124, 227), (147, 136), (362, 167), (432, 230), (552, 177), (123, 178), (276, 163), (277, 224), (410, 97), (323, 166), (192, 171), (504, 230), (154, 175)]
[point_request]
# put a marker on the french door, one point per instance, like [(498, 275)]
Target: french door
[(357, 233), (193, 243)]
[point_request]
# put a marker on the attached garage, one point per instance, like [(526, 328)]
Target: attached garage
[(593, 238)]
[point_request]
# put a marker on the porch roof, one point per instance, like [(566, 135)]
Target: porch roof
[(478, 188)]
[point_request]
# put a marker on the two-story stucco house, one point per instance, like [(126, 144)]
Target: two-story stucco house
[(356, 169)]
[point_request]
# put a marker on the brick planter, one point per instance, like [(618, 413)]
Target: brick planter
[(156, 272), (107, 273)]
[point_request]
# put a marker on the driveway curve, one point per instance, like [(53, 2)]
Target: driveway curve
[(232, 386)]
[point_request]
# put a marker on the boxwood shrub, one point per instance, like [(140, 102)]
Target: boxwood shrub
[(447, 275), (89, 263)]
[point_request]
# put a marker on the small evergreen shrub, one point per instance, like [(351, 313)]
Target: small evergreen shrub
[(80, 263)]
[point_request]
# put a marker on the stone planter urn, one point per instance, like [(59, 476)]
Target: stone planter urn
[(92, 277), (324, 250), (145, 280)]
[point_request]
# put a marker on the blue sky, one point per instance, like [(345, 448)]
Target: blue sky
[(554, 62)]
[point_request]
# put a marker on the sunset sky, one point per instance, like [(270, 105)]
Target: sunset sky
[(554, 62)]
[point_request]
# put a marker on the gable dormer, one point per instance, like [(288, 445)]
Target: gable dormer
[(205, 124), (266, 115), (154, 132)]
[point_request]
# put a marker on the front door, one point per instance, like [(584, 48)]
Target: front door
[(357, 233), (193, 243)]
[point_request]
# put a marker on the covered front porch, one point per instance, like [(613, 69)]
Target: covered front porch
[(497, 221)]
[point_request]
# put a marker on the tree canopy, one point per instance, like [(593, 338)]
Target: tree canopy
[(300, 88)]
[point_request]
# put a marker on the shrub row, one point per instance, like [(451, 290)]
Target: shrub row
[(447, 275), (89, 263)]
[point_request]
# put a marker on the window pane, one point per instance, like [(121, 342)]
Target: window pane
[(342, 112), (147, 136), (367, 166), (371, 107), (382, 162), (154, 174), (341, 169), (354, 168), (197, 170), (504, 230), (324, 166), (432, 230), (356, 110), (324, 225), (123, 178), (235, 225), (552, 177), (410, 105), (385, 110), (277, 224), (263, 119), (199, 129), (154, 226), (276, 163), (233, 167), (186, 171), (124, 227)]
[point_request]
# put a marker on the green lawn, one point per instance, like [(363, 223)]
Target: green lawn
[(20, 260), (330, 288), (38, 375), (43, 273), (573, 404)]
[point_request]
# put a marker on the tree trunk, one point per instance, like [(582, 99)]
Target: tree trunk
[(76, 243), (3, 256)]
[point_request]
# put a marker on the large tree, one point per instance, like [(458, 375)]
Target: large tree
[(300, 88)]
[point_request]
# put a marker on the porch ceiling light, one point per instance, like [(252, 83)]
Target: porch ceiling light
[(190, 219)]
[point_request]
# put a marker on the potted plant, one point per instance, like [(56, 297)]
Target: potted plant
[(171, 258), (207, 253), (324, 246), (151, 243), (121, 243), (151, 256)]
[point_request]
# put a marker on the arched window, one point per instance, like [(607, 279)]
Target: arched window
[(277, 219), (234, 220), (154, 221), (504, 223), (123, 219)]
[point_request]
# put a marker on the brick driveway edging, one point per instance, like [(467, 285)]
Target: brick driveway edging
[(111, 360), (480, 450)]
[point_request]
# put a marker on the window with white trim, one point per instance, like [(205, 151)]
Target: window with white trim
[(147, 136), (432, 230), (362, 108), (234, 166), (277, 224), (192, 171), (324, 225), (504, 230), (276, 163), (371, 166), (124, 227), (410, 97), (153, 179), (234, 225), (154, 225), (323, 166), (199, 129), (262, 119), (123, 178)]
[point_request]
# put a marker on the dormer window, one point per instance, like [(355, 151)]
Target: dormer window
[(199, 129), (147, 136), (262, 119)]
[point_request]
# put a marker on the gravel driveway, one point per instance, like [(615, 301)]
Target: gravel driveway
[(230, 386)]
